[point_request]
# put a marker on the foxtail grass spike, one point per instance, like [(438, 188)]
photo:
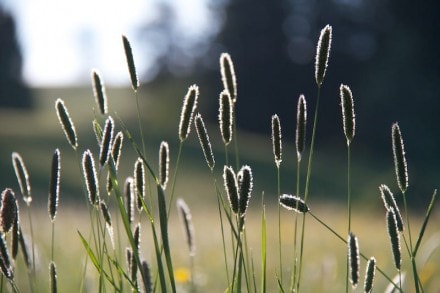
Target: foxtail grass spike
[(277, 144), (293, 203), (353, 258), (53, 277), (348, 116), (245, 185), (139, 182), (116, 154), (164, 164), (90, 176), (188, 108), (133, 262), (185, 217), (5, 261), (107, 140), (8, 210), (15, 238), (99, 91), (390, 202), (148, 286), (369, 275), (130, 63), (393, 233), (128, 195), (301, 123), (322, 54), (54, 186), (205, 143), (22, 177), (231, 187), (226, 116), (108, 219), (228, 75), (66, 123), (399, 158)]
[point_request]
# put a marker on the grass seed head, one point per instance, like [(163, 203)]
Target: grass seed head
[(231, 187), (188, 108), (5, 261), (128, 196), (130, 63), (139, 182), (228, 75), (107, 140), (400, 165), (353, 256), (22, 177), (91, 178), (8, 210), (348, 116), (293, 203), (393, 233), (369, 275), (15, 238), (301, 122), (226, 116), (245, 185), (205, 143), (148, 284), (322, 54), (116, 154), (54, 185), (66, 123), (186, 219), (99, 91), (277, 144), (53, 277), (390, 202), (108, 220), (164, 164)]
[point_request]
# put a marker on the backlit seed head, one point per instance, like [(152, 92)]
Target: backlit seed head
[(390, 202), (54, 186), (186, 219), (116, 154), (188, 108), (353, 259), (66, 123), (99, 91), (245, 186), (53, 277), (107, 140), (228, 75), (400, 165), (22, 177), (139, 182), (322, 54), (231, 187), (276, 139), (205, 143), (301, 121), (393, 233), (369, 275), (148, 284), (226, 116), (108, 220), (5, 261), (128, 196), (164, 164), (130, 63), (293, 203), (8, 210), (90, 176), (348, 116)]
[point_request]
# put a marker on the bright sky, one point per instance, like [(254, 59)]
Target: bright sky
[(63, 40)]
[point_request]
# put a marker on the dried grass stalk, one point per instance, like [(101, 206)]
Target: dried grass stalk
[(54, 185), (348, 116), (91, 178), (164, 164), (22, 177), (277, 145), (66, 123), (301, 123), (322, 54), (293, 203), (205, 143), (400, 165), (188, 108), (99, 91), (226, 116), (228, 75), (130, 63), (185, 217)]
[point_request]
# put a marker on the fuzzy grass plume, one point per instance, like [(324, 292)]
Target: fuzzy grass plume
[(139, 182), (348, 116), (188, 108), (107, 140), (186, 219), (90, 176), (164, 164), (245, 186), (130, 62), (128, 196), (8, 210), (293, 203), (205, 143), (53, 277), (322, 54), (99, 91), (54, 185), (400, 165), (66, 123), (5, 261), (22, 175), (369, 275), (390, 203), (353, 259), (301, 123), (231, 187), (228, 75), (277, 144), (226, 116), (393, 233)]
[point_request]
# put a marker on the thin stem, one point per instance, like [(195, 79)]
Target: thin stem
[(141, 132), (348, 207), (279, 225), (53, 241), (237, 154), (416, 280), (174, 178), (295, 231)]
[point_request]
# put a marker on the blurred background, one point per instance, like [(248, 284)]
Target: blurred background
[(387, 51)]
